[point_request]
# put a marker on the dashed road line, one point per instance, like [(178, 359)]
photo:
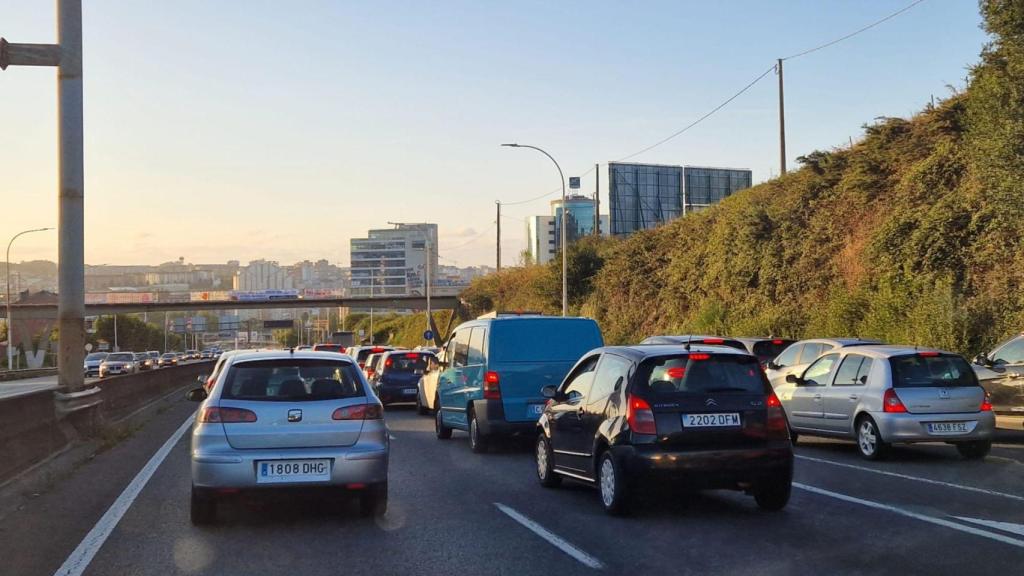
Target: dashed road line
[(552, 538)]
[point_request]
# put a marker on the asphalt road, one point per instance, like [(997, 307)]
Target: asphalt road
[(925, 511)]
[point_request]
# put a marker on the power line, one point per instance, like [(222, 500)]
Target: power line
[(854, 33)]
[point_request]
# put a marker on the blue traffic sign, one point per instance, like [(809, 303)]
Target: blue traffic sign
[(428, 335)]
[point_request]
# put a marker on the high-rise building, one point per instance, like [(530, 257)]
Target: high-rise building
[(544, 233), (644, 196), (262, 275), (393, 261)]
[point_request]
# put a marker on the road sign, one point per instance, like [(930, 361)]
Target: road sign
[(428, 335), (362, 332), (574, 182), (88, 347)]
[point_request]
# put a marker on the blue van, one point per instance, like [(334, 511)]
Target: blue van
[(493, 369)]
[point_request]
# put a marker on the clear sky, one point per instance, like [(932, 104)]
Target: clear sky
[(231, 129)]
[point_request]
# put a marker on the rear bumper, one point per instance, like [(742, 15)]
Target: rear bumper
[(490, 415), (914, 427), (707, 469), (395, 393)]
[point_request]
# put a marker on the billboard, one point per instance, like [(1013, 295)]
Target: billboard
[(643, 196)]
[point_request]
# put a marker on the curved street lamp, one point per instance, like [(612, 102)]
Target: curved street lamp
[(565, 248), (10, 325)]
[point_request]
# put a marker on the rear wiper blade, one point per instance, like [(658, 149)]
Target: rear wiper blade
[(726, 389)]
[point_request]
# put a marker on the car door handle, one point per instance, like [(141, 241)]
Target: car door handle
[(817, 397), (854, 396), (579, 412)]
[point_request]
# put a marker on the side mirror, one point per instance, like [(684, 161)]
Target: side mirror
[(196, 395), (549, 391), (771, 365), (982, 360), (202, 378), (794, 379)]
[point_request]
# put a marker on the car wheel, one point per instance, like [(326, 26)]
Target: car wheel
[(773, 495), (203, 509), (869, 440), (545, 463), (793, 436), (477, 442), (443, 432), (374, 501), (611, 484), (420, 408), (975, 450)]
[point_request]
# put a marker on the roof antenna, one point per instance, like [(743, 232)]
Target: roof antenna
[(688, 338)]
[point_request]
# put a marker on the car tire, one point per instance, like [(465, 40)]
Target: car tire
[(203, 509), (793, 437), (546, 463), (420, 408), (373, 503), (869, 440), (443, 432), (974, 450), (611, 485), (773, 495), (478, 443)]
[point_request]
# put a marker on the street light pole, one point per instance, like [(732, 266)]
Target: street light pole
[(10, 325), (565, 248), (66, 55)]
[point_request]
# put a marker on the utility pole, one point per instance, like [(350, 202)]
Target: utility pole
[(498, 245), (66, 55), (782, 121), (597, 199)]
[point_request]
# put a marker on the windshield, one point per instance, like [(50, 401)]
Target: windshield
[(292, 380), (96, 356), (121, 357), (945, 371)]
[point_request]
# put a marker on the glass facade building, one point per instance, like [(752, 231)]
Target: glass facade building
[(392, 261), (645, 196), (578, 215)]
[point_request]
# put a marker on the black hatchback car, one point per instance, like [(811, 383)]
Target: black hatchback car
[(696, 417)]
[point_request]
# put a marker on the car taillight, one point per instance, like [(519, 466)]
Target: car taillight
[(699, 356), (492, 386), (891, 402), (214, 414), (370, 371), (986, 404), (775, 421), (713, 341), (371, 411), (639, 416), (388, 363), (362, 365), (676, 373)]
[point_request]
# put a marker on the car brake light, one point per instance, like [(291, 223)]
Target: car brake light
[(370, 371), (639, 416), (376, 350), (891, 402), (713, 341), (412, 355), (372, 411), (928, 353), (777, 342), (986, 404), (700, 356), (492, 386), (214, 414), (775, 420)]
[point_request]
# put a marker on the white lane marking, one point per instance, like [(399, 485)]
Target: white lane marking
[(79, 560), (1004, 526), (915, 478), (909, 514), (553, 539), (392, 437)]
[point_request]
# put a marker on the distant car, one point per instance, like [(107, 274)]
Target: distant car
[(360, 353), (329, 348), (206, 355), (880, 395), (372, 365), (799, 355), (286, 421), (118, 363), (168, 359), (1001, 374), (92, 363), (191, 354), (490, 380), (765, 349), (399, 373), (627, 418), (143, 362), (304, 347), (695, 339)]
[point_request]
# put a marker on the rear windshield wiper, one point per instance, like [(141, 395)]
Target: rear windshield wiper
[(727, 389)]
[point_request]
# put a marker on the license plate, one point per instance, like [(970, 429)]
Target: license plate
[(284, 471), (719, 420), (408, 390), (535, 409), (947, 428)]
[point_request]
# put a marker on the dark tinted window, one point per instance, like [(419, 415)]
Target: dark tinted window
[(765, 350), (849, 371), (916, 371), (121, 357), (292, 380), (96, 356), (328, 348), (364, 353), (717, 373), (406, 362)]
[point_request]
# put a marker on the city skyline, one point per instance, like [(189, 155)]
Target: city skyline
[(292, 151)]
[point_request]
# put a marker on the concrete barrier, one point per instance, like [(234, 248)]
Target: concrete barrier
[(22, 374), (33, 427)]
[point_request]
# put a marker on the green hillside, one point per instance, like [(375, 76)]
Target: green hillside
[(912, 235)]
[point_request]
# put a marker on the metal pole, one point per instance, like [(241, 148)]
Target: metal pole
[(597, 199), (116, 347), (565, 261), (497, 259), (428, 280), (782, 122)]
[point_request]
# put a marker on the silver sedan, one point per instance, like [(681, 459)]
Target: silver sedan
[(288, 420), (880, 395)]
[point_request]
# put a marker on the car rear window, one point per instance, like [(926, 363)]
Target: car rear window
[(924, 371), (328, 348), (766, 350), (700, 373), (543, 340), (292, 380), (406, 362), (365, 353)]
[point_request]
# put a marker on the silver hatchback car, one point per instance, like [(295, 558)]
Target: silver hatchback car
[(286, 420), (880, 395)]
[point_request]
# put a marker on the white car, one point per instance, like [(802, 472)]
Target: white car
[(799, 355)]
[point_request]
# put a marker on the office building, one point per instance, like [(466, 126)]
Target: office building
[(543, 233), (393, 261), (644, 196), (262, 275)]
